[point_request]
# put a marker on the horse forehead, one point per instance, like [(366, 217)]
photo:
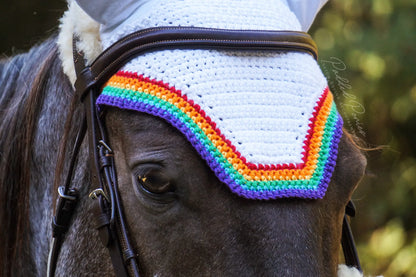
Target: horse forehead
[(144, 137)]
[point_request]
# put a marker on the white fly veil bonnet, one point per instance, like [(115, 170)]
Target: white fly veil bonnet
[(265, 122)]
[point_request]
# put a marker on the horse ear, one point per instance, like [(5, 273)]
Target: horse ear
[(109, 12), (306, 11)]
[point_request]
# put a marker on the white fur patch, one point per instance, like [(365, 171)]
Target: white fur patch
[(345, 271), (76, 22)]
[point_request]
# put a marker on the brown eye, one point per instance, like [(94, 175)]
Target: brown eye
[(155, 182)]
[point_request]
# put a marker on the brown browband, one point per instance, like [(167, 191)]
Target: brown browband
[(161, 38)]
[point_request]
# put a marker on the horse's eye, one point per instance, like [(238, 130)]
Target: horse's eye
[(155, 182)]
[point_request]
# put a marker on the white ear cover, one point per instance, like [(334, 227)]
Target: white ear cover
[(110, 12), (306, 11)]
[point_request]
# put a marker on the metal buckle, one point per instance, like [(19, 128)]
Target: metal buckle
[(97, 192), (102, 142), (65, 196)]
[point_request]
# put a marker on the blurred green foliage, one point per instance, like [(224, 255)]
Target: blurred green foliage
[(368, 53)]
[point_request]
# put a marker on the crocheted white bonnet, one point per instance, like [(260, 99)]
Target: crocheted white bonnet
[(264, 122)]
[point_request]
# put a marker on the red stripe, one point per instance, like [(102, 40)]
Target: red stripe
[(312, 120)]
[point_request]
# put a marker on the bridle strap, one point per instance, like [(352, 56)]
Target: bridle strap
[(347, 239), (65, 207), (103, 180), (108, 210)]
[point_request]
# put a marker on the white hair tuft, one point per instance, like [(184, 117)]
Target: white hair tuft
[(76, 22)]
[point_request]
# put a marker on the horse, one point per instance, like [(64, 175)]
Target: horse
[(182, 220)]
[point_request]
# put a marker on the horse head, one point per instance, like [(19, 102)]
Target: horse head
[(229, 162)]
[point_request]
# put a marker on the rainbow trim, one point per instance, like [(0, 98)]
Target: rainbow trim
[(308, 179)]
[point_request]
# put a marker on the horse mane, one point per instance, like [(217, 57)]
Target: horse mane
[(24, 82)]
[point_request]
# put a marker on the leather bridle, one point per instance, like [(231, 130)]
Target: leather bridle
[(108, 209)]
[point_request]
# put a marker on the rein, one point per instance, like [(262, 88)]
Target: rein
[(108, 209)]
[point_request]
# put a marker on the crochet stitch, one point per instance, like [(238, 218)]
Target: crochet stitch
[(308, 179)]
